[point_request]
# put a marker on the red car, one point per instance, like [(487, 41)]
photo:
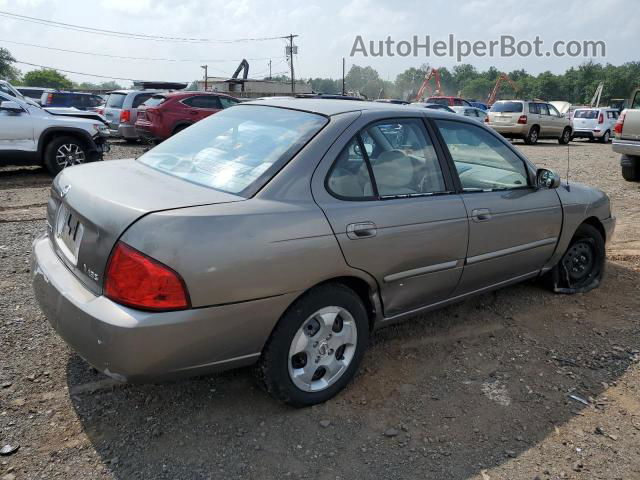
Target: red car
[(449, 101), (165, 114)]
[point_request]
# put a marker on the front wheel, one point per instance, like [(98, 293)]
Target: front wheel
[(582, 265), (63, 152), (315, 349), (565, 137)]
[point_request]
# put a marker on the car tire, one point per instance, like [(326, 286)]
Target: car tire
[(606, 137), (532, 136), (317, 323), (76, 150), (131, 140), (582, 266), (630, 168), (565, 137)]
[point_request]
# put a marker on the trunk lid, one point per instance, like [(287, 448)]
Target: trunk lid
[(92, 205)]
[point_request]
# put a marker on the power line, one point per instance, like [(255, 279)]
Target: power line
[(136, 36), (132, 58), (105, 76)]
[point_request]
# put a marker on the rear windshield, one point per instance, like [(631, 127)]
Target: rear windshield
[(439, 101), (507, 107), (115, 100), (31, 93), (236, 150), (591, 114), (154, 101)]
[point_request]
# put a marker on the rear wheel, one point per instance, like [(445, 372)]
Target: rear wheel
[(565, 137), (630, 168), (606, 137), (63, 152), (316, 348), (582, 265), (532, 136)]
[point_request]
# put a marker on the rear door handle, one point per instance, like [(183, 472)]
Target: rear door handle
[(481, 214), (356, 231)]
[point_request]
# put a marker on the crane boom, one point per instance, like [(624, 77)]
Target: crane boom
[(494, 93), (431, 73)]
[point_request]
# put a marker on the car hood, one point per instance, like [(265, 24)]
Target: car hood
[(106, 198), (74, 112)]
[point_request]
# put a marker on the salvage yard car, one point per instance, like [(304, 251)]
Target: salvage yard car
[(166, 114), (594, 123), (281, 232), (627, 139), (529, 121), (54, 138)]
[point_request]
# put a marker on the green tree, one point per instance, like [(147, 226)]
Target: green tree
[(48, 78), (7, 70)]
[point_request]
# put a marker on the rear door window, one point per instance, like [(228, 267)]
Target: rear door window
[(115, 100), (482, 161), (140, 99), (533, 108), (399, 154), (228, 102), (204, 101)]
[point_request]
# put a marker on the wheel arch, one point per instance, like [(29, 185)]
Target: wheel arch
[(597, 224), (50, 133), (180, 126)]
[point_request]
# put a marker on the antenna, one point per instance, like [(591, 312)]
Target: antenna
[(568, 165)]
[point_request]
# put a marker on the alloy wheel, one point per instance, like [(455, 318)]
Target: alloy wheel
[(322, 349), (69, 154)]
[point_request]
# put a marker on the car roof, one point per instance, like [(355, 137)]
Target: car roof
[(330, 107), (191, 93)]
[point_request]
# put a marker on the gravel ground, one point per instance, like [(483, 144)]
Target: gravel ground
[(480, 390)]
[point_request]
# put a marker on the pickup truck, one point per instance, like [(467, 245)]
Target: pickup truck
[(627, 139), (53, 137)]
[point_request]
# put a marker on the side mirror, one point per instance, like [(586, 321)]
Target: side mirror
[(10, 106), (547, 178)]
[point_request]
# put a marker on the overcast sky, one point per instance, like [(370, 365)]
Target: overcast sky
[(327, 31)]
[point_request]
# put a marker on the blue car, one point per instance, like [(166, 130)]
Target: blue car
[(81, 101), (480, 105)]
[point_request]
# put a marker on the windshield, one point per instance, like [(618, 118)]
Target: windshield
[(590, 114), (507, 107), (236, 148)]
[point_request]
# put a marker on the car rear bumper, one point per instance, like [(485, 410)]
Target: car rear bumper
[(133, 345), (626, 147), (516, 131), (587, 133)]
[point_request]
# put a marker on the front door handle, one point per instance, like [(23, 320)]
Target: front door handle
[(356, 231), (481, 214)]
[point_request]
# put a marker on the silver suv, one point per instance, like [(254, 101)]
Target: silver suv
[(55, 138), (529, 120), (121, 111)]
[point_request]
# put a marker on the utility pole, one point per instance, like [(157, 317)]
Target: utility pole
[(206, 76), (269, 69), (343, 89), (291, 51)]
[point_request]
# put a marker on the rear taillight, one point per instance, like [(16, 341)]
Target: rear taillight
[(50, 99), (601, 118), (138, 281), (522, 120), (617, 129), (100, 111), (125, 116)]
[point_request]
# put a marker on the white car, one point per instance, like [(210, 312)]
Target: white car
[(471, 112), (594, 123)]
